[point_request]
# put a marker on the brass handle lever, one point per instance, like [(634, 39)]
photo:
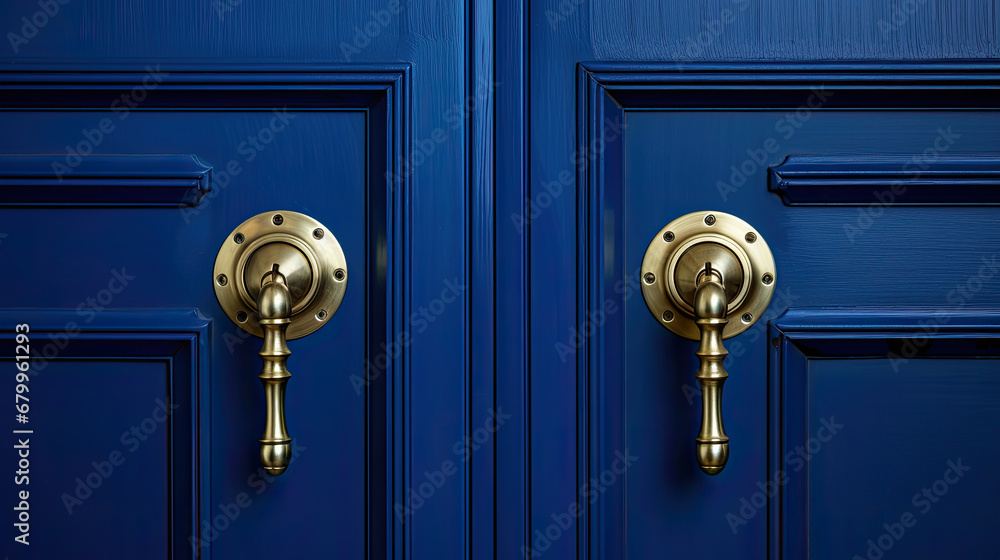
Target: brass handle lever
[(700, 270), (710, 304), (280, 276), (275, 309)]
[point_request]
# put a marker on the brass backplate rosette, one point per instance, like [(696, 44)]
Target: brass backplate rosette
[(679, 252), (310, 257)]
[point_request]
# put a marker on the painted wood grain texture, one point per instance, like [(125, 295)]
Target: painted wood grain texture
[(323, 164), (921, 383), (306, 31), (928, 178), (140, 368), (110, 180), (791, 30), (495, 201), (633, 376)]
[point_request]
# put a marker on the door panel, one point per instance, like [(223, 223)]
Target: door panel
[(141, 453), (918, 389), (652, 128), (259, 159), (494, 386), (643, 396), (246, 108)]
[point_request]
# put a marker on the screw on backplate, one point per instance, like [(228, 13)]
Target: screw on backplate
[(710, 220), (222, 280), (668, 316), (339, 274), (767, 278), (668, 236), (747, 317), (321, 314), (278, 219), (318, 233), (751, 237), (241, 316), (649, 278), (238, 238)]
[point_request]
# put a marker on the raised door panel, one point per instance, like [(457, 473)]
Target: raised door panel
[(814, 157), (81, 488), (890, 408), (141, 136), (96, 202)]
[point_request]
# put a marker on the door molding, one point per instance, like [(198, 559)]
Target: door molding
[(177, 338), (606, 92), (382, 93), (804, 334)]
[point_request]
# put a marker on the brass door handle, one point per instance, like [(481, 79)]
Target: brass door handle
[(279, 276), (274, 310), (710, 303), (701, 269)]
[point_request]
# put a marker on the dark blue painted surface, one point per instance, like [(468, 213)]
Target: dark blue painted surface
[(887, 408), (663, 140), (118, 409), (521, 155), (117, 180), (862, 180), (381, 395), (634, 389)]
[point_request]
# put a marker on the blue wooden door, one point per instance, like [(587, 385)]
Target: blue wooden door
[(138, 136), (860, 405), (493, 384)]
